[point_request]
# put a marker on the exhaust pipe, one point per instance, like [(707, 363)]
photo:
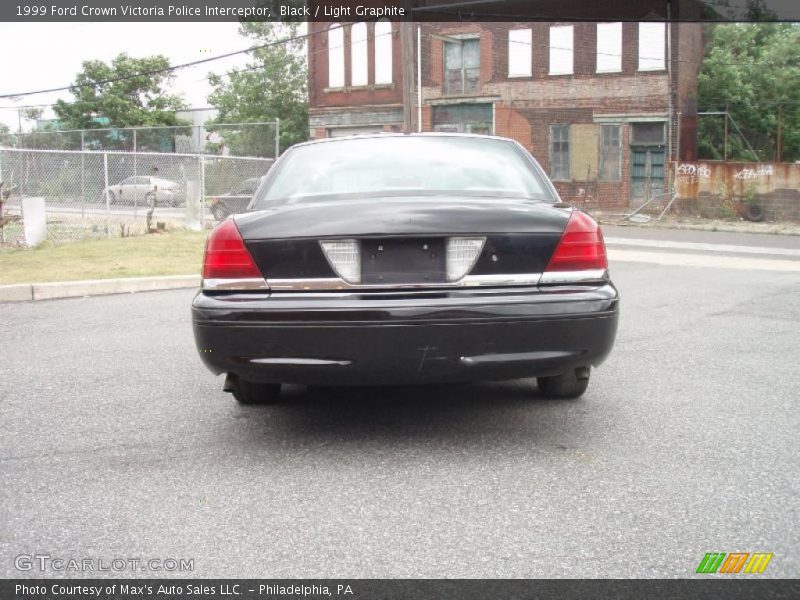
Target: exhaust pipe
[(230, 383), (582, 373)]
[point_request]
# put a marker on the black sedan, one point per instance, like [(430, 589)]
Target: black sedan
[(405, 259)]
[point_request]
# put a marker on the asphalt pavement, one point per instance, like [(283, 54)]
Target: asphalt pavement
[(118, 443)]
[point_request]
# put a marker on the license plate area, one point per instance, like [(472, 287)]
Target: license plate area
[(397, 260)]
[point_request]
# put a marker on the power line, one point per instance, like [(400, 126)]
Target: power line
[(158, 71)]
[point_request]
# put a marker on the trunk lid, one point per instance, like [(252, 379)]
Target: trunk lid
[(403, 241)]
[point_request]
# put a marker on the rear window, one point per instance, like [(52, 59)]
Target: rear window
[(404, 165)]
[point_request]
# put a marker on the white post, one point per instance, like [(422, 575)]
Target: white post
[(277, 137), (202, 159), (83, 175), (108, 201)]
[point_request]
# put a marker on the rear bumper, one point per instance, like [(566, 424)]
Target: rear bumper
[(405, 338)]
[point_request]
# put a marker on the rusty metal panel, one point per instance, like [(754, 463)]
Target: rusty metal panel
[(734, 179)]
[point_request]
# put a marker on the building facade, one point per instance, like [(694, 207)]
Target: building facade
[(604, 107)]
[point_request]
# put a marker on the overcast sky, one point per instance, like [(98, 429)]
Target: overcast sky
[(46, 55)]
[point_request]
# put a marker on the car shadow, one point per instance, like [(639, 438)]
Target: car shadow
[(463, 414)]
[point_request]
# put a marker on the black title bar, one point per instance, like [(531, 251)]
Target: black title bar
[(398, 10), (713, 588)]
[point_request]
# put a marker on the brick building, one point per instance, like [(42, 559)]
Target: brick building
[(603, 106)]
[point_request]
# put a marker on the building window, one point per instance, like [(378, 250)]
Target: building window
[(335, 56), (358, 54), (520, 52), (462, 61), (652, 45), (610, 152), (383, 52), (647, 134), (559, 151), (561, 50), (463, 118), (609, 47)]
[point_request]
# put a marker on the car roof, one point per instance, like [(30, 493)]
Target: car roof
[(424, 134)]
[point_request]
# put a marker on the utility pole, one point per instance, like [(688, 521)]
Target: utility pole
[(780, 119), (725, 152), (407, 44)]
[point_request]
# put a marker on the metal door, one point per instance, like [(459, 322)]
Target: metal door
[(647, 172)]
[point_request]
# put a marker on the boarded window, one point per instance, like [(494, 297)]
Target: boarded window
[(520, 52), (335, 57), (462, 62), (647, 134), (609, 47), (610, 152), (561, 50), (383, 52), (559, 151), (358, 54), (652, 45)]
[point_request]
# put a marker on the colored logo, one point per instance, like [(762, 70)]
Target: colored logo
[(734, 562)]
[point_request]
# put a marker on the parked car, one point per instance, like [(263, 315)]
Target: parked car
[(235, 201), (143, 189), (405, 259)]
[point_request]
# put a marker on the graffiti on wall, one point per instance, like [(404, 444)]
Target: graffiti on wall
[(758, 172)]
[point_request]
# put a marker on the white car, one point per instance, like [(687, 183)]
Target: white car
[(143, 189)]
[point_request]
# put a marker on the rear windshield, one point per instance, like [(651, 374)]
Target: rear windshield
[(404, 165)]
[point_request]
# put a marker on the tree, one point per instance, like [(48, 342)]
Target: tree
[(125, 93), (272, 86), (6, 139), (753, 71)]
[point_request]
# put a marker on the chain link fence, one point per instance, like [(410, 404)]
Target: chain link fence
[(237, 139), (102, 194)]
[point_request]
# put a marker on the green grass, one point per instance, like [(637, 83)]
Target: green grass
[(174, 253)]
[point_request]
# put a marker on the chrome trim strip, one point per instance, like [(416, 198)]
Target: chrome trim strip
[(559, 277), (249, 283), (294, 362), (335, 283), (505, 279), (331, 283)]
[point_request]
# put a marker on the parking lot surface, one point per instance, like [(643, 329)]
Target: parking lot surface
[(118, 443)]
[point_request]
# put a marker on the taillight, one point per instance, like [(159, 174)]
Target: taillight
[(227, 264), (581, 248)]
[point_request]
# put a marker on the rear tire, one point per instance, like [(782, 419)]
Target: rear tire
[(253, 392), (567, 385), (112, 198)]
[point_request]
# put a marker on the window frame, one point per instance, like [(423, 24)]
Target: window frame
[(601, 175), (389, 48), (565, 168), (553, 50), (359, 61), (528, 50), (462, 40), (602, 53), (341, 63), (642, 61)]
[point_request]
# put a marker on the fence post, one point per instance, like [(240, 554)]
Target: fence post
[(202, 160), (108, 201), (277, 137)]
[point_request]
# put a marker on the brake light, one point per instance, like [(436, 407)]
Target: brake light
[(581, 247), (227, 264)]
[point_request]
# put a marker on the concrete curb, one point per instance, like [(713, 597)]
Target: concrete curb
[(94, 287)]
